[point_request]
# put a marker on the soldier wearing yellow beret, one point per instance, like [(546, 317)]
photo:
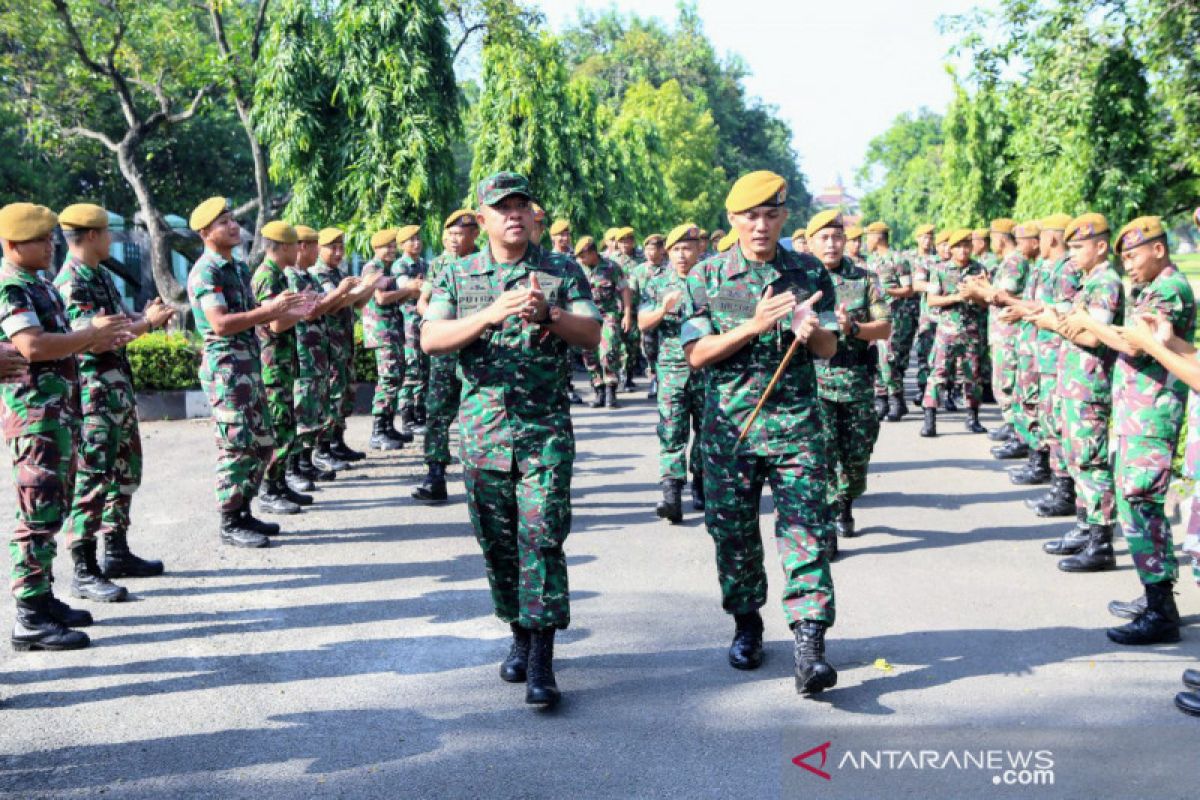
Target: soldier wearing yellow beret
[(645, 344), (612, 296), (727, 241), (928, 256), (894, 272), (560, 237), (627, 256), (40, 418), (108, 464), (854, 245), (743, 312), (411, 269)]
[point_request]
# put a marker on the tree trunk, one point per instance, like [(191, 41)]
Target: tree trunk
[(156, 226), (262, 184)]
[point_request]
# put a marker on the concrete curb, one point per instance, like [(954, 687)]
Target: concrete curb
[(193, 404)]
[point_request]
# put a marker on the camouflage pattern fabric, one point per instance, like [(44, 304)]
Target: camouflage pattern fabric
[(922, 266), (383, 332), (517, 442), (604, 364), (631, 343), (279, 367), (232, 379), (1148, 408), (416, 363), (1057, 289), (957, 343), (313, 412), (680, 391), (784, 447), (339, 331), (1010, 276), (42, 474), (646, 273), (441, 402), (894, 272), (1028, 389)]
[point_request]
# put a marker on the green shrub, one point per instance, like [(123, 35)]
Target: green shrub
[(364, 359), (163, 361)]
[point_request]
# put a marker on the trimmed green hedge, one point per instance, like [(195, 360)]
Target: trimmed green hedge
[(364, 359), (164, 361)]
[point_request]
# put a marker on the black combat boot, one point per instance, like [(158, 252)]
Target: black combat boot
[(746, 652), (342, 450), (881, 406), (1097, 556), (295, 480), (379, 436), (1062, 504), (844, 522), (514, 666), (274, 499), (1191, 678), (813, 673), (401, 436), (896, 408), (88, 582), (1188, 703), (1036, 472), (1003, 433), (408, 422), (36, 628), (670, 507), (948, 403), (540, 687), (432, 491), (323, 458), (1131, 609), (919, 396), (929, 429), (598, 397), (310, 470), (610, 397), (253, 523), (1011, 450), (630, 386), (1074, 540), (119, 562), (972, 423), (1049, 498), (1158, 624), (573, 396), (830, 545), (652, 393), (698, 491), (232, 532), (63, 613)]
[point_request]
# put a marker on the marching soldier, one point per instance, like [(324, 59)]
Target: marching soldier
[(626, 257), (846, 382), (737, 329), (226, 315), (680, 391), (383, 332), (39, 411), (926, 259), (512, 312), (560, 238), (896, 279), (411, 269), (611, 294), (655, 264), (108, 465)]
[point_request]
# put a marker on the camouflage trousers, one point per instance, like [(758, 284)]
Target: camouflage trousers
[(926, 334), (1027, 397), (312, 392), (733, 487), (521, 522), (281, 413), (244, 439), (650, 351), (389, 370), (680, 408), (1143, 476), (416, 362), (108, 470), (1085, 447), (631, 350), (1050, 421), (604, 363), (985, 356), (955, 347), (441, 405), (851, 430), (895, 352), (42, 474), (1004, 366), (341, 380)]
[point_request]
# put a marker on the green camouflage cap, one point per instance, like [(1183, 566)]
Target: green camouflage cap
[(500, 185)]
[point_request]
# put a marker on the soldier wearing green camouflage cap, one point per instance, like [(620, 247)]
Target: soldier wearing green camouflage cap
[(511, 312), (411, 269), (627, 258)]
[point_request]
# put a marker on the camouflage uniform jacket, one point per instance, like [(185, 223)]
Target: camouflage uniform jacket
[(944, 280), (662, 282), (1057, 286), (850, 374), (607, 281), (1085, 373), (310, 334), (215, 282), (894, 272), (278, 350), (405, 267), (340, 323), (382, 324)]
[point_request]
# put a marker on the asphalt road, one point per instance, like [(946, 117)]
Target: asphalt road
[(357, 658)]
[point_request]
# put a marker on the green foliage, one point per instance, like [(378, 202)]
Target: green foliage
[(364, 359), (164, 361), (976, 173), (903, 166)]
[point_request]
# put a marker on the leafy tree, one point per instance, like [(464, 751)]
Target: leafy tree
[(903, 166), (977, 184)]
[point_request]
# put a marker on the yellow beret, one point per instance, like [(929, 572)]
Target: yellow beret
[(980, 233), (718, 234), (560, 226), (1086, 226), (383, 238), (1027, 230), (1138, 232), (280, 231), (329, 235), (583, 244), (610, 234), (651, 238), (622, 233), (455, 216), (538, 211), (799, 233), (878, 227), (854, 232), (1056, 222), (942, 237), (407, 232), (83, 215), (1002, 225), (831, 218), (306, 234), (958, 236), (24, 222), (703, 233), (762, 188), (682, 233), (922, 230), (207, 212), (727, 241)]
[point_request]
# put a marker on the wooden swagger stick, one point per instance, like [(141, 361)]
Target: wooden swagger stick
[(770, 388)]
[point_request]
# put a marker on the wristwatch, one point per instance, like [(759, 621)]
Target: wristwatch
[(854, 328)]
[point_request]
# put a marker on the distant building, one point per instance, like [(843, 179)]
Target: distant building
[(835, 196)]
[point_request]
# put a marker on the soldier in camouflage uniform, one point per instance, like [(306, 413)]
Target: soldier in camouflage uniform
[(39, 409), (461, 229), (639, 278), (627, 258), (922, 264), (895, 277), (412, 267), (958, 342), (560, 238), (743, 310), (226, 314), (680, 391), (108, 464), (1084, 390), (383, 332), (277, 354), (799, 242), (613, 298), (711, 241), (512, 312), (1148, 406), (846, 382)]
